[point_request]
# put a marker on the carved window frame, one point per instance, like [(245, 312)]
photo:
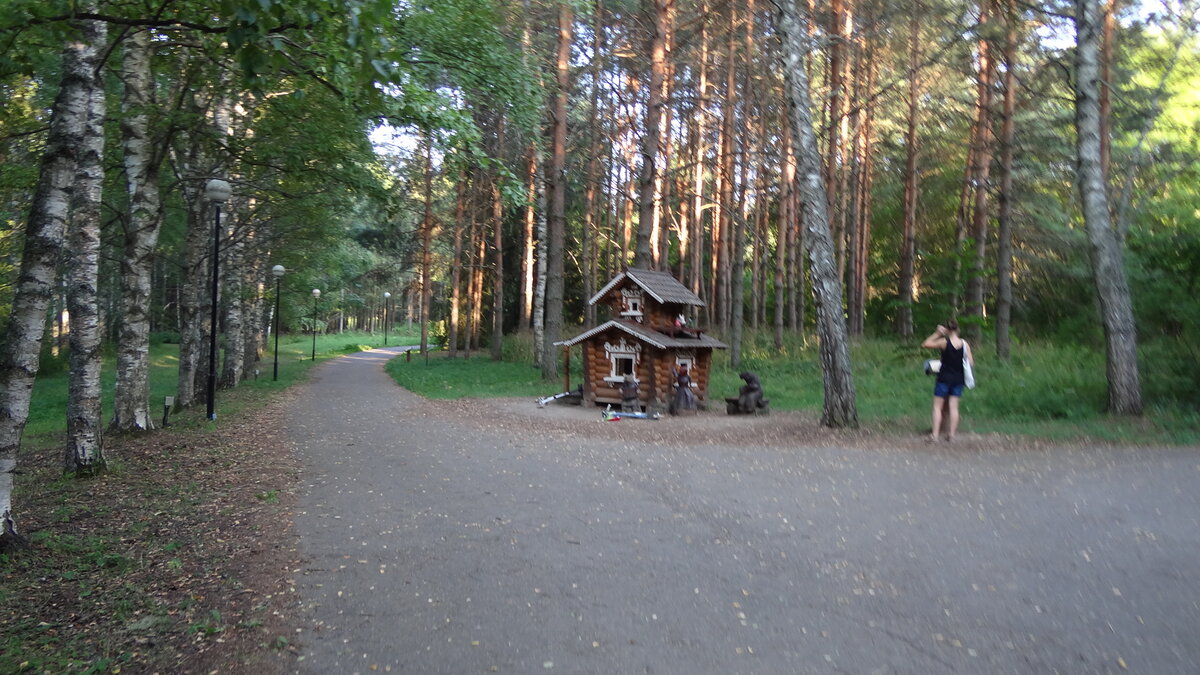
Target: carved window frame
[(620, 352), (633, 303)]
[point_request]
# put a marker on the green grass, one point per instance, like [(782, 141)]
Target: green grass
[(1047, 390), (47, 412)]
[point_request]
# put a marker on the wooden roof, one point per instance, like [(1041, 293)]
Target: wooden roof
[(659, 285), (655, 338)]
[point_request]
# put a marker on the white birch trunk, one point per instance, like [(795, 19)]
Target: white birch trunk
[(191, 305), (1105, 248), (85, 451), (131, 403), (44, 233), (840, 407), (539, 292), (231, 285)]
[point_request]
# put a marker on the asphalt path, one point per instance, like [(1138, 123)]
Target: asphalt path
[(437, 543)]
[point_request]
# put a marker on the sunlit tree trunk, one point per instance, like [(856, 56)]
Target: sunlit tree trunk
[(44, 235), (1105, 247), (840, 407), (85, 427), (557, 188), (652, 135), (525, 306)]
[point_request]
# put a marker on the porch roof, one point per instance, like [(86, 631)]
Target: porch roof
[(653, 337)]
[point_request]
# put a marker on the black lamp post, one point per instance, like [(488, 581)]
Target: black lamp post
[(277, 272), (386, 301), (216, 191), (316, 296)]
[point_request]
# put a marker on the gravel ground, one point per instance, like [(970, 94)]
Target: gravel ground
[(496, 536)]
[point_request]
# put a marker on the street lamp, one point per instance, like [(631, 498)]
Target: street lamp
[(316, 296), (386, 297), (216, 191), (277, 272)]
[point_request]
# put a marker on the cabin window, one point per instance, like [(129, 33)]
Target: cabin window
[(622, 359), (687, 359), (631, 303)]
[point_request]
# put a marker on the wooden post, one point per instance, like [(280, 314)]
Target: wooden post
[(566, 368)]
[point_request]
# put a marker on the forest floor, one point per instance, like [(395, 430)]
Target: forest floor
[(174, 561), (181, 559)]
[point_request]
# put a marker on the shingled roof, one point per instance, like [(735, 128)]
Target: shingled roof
[(659, 285), (655, 338)]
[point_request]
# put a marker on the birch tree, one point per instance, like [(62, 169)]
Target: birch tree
[(85, 449), (45, 230), (840, 406), (1105, 248)]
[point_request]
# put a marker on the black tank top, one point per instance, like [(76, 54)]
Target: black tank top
[(952, 365)]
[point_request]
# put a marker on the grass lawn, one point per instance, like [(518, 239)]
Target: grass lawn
[(1052, 391)]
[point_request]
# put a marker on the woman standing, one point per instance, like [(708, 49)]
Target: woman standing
[(950, 378)]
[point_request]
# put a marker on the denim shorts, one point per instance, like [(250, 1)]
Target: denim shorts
[(942, 390)]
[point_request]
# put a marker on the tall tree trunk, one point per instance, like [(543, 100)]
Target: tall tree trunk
[(840, 407), (699, 151), (85, 427), (864, 168), (44, 235), (783, 240), (664, 218), (648, 210), (908, 250), (525, 308), (191, 300), (1109, 20), (558, 196), (723, 237), (131, 401), (981, 176), (592, 195), (497, 341), (797, 242), (233, 309), (1105, 248), (456, 268), (539, 290), (1004, 288), (427, 248)]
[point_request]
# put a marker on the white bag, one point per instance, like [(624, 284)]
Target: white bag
[(932, 366), (968, 371)]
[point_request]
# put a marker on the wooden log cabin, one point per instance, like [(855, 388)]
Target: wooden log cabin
[(644, 338)]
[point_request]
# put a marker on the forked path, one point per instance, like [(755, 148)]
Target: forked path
[(437, 540)]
